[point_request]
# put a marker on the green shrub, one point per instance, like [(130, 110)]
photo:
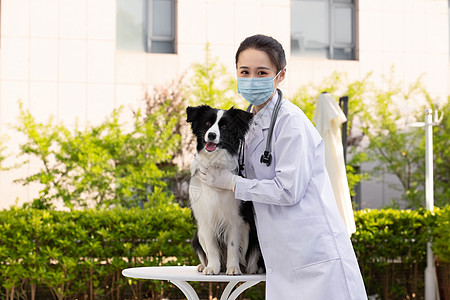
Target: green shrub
[(338, 85), (102, 165), (81, 253), (380, 116), (212, 85), (441, 242), (391, 249)]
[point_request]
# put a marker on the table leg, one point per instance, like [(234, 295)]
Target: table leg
[(186, 288), (227, 291), (242, 288)]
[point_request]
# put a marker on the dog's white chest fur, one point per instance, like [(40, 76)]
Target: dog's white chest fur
[(211, 205)]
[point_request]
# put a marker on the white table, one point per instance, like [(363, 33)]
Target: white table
[(181, 275)]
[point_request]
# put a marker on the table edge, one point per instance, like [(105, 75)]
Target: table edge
[(189, 276)]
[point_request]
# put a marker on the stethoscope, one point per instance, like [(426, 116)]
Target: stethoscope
[(266, 158)]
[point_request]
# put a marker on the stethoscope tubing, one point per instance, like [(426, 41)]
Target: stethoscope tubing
[(266, 158)]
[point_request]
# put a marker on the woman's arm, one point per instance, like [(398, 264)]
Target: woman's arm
[(293, 155)]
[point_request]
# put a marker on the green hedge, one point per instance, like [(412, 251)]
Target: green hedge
[(441, 234), (80, 254), (391, 249), (72, 254)]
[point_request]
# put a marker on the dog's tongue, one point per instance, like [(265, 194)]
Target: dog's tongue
[(210, 146)]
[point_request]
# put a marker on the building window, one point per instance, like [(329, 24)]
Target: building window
[(146, 25), (323, 28)]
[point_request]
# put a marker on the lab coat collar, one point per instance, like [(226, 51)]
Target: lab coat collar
[(261, 122), (264, 116)]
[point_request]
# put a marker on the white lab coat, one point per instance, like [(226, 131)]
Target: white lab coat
[(305, 245)]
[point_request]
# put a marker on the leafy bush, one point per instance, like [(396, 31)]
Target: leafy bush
[(391, 249), (79, 253), (441, 242), (394, 145), (212, 85), (102, 165), (380, 116), (338, 85), (172, 100), (441, 157)]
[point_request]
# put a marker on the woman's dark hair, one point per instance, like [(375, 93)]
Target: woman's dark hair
[(267, 44)]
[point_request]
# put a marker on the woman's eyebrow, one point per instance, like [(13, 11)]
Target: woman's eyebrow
[(258, 68)]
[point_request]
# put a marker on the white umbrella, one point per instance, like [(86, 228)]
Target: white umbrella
[(328, 118)]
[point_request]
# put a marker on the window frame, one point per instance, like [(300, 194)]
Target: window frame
[(332, 45), (142, 40), (333, 5), (149, 27)]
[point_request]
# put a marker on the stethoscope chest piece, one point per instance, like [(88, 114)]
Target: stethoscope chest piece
[(266, 158)]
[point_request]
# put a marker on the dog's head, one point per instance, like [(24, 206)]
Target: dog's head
[(216, 128)]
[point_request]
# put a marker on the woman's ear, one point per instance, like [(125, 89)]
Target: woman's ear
[(282, 75)]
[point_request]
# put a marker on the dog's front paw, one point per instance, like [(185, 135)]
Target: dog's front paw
[(233, 271), (211, 270), (200, 268)]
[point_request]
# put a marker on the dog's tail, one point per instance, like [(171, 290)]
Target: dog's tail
[(253, 256)]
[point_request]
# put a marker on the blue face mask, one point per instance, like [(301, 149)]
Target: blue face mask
[(256, 90)]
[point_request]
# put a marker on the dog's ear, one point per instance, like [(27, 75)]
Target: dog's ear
[(245, 117), (194, 112), (191, 113), (242, 119), (241, 116)]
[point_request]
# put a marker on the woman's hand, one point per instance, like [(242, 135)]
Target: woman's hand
[(218, 178)]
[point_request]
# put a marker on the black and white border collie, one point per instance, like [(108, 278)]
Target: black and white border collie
[(226, 233)]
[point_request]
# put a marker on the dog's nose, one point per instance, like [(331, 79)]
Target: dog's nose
[(212, 136)]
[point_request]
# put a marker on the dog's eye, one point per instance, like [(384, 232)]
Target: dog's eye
[(208, 124), (223, 127)]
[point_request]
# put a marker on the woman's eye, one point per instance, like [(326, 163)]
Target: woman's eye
[(244, 72), (262, 73)]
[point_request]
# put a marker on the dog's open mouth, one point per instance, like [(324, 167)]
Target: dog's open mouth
[(210, 146)]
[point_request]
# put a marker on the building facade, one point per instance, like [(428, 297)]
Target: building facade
[(77, 60)]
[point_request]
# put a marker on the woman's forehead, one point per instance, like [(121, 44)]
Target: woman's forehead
[(253, 59)]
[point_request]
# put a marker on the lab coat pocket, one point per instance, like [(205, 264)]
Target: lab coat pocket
[(309, 241), (323, 281)]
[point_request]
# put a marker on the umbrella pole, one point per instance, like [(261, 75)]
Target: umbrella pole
[(431, 289), (343, 103)]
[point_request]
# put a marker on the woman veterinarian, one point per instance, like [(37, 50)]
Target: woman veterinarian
[(305, 245)]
